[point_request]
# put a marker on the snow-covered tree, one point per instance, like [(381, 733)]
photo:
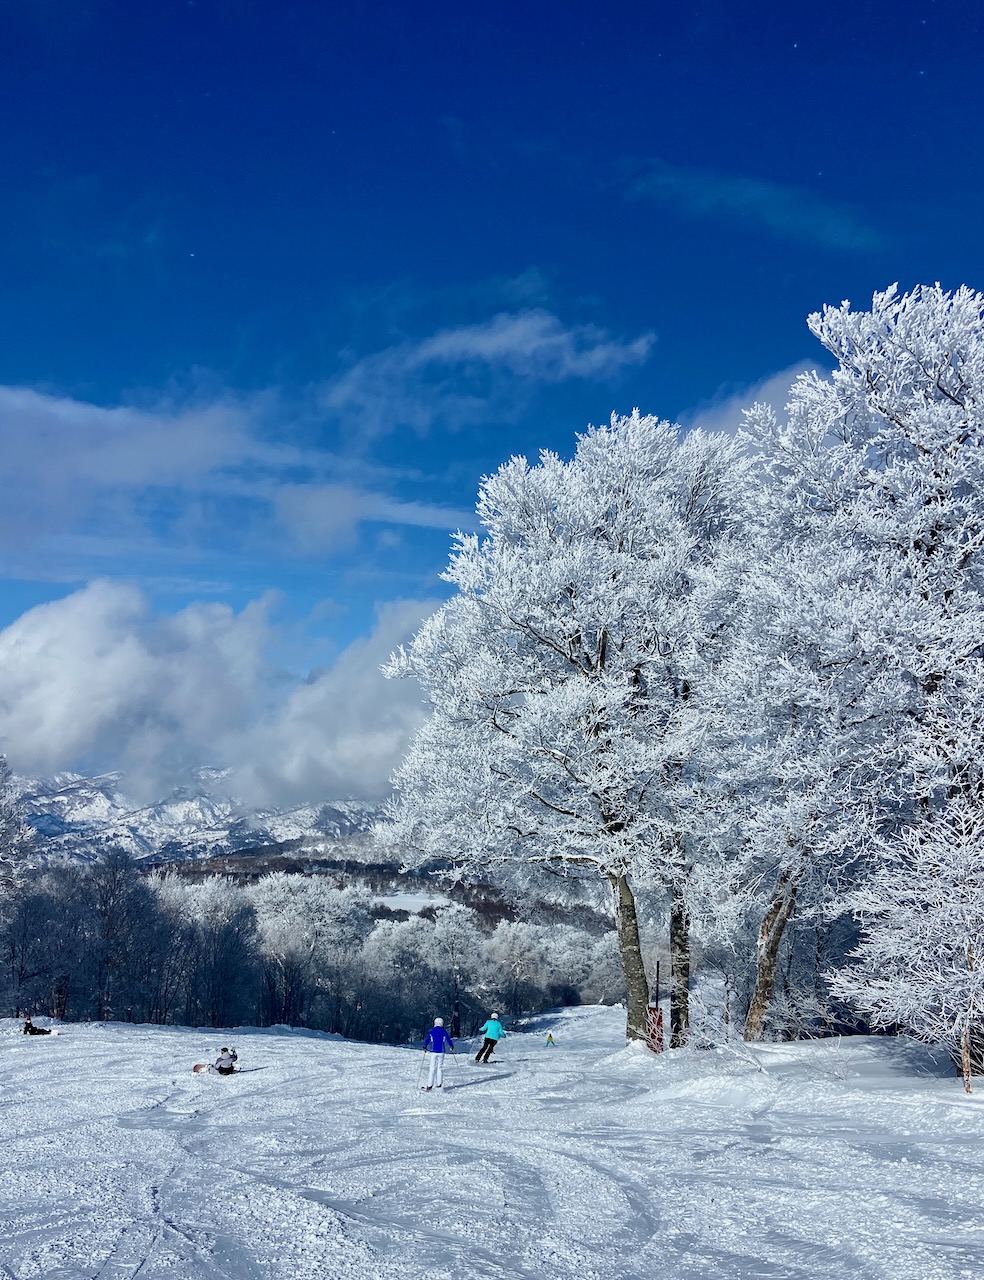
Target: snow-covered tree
[(16, 912), (221, 981), (25, 950), (879, 471), (120, 913), (310, 914), (310, 932), (577, 966), (171, 961), (288, 967), (456, 954), (517, 960), (564, 676), (888, 455), (397, 960), (921, 963), (797, 762), (17, 840)]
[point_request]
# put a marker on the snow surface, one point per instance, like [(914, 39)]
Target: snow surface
[(412, 902), (324, 1159)]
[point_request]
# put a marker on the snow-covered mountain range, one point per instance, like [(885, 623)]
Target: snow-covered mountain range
[(83, 817)]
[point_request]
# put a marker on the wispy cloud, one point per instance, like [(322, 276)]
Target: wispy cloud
[(120, 445), (321, 517), (791, 212), (83, 485), (532, 344), (459, 376)]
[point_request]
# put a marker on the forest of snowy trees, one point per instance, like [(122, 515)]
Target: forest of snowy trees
[(735, 679), (106, 941)]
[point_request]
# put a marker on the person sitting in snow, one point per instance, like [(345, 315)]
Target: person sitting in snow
[(31, 1030), (493, 1033), (435, 1043), (225, 1063)]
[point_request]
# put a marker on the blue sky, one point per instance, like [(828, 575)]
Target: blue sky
[(281, 281)]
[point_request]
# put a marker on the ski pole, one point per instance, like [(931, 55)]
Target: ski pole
[(420, 1070)]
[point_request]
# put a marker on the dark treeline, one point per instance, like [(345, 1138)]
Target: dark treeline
[(105, 941)]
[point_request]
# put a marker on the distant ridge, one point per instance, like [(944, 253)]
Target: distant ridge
[(81, 817)]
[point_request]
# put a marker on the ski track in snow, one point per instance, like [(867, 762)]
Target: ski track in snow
[(324, 1159)]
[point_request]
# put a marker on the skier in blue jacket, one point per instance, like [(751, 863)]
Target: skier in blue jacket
[(493, 1033), (435, 1043)]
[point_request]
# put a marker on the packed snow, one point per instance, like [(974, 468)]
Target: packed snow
[(324, 1158)]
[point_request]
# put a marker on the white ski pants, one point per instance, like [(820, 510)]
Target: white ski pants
[(435, 1070)]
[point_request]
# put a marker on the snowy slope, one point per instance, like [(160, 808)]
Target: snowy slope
[(323, 1159), (81, 817)]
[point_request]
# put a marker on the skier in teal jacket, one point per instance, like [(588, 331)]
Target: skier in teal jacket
[(493, 1033)]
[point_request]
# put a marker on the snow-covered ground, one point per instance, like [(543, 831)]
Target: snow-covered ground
[(589, 1160), (412, 902)]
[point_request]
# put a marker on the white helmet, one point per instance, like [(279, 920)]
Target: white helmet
[(438, 1022), (495, 1015)]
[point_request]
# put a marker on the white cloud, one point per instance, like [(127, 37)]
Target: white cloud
[(84, 485), (344, 731), (86, 489), (98, 676), (98, 680), (794, 213), (325, 517), (125, 446), (531, 344), (463, 375), (82, 480), (724, 413), (180, 493), (68, 463)]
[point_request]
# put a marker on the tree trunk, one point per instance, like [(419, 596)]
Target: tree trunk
[(679, 970), (966, 1047), (630, 950), (767, 950), (965, 1064)]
